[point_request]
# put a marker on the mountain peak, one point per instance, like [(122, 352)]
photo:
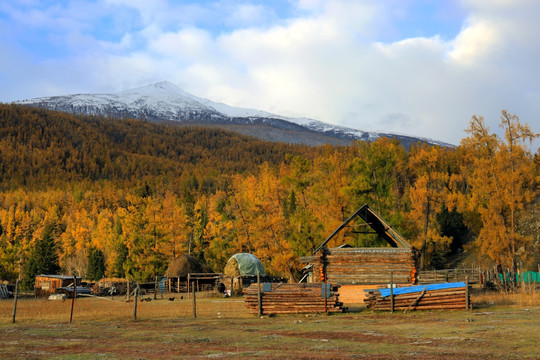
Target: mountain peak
[(158, 89), (164, 84), (165, 101)]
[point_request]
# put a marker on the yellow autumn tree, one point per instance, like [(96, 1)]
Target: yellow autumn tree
[(500, 173), (427, 195), (220, 233), (328, 199), (174, 225), (259, 220)]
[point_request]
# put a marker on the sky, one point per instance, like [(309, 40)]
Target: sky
[(420, 68)]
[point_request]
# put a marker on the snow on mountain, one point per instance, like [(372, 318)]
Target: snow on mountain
[(164, 101)]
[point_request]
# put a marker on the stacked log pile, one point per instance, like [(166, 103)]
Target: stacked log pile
[(292, 298), (366, 265), (450, 296)]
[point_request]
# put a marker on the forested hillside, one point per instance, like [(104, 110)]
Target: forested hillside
[(129, 195), (46, 148)]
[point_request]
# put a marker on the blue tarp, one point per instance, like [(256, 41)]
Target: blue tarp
[(420, 288), (162, 285), (248, 264)]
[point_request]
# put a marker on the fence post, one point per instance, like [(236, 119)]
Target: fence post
[(259, 293), (128, 293), (325, 296), (522, 278), (466, 293), (15, 300), (194, 301), (74, 296), (135, 302), (391, 291), (155, 287), (535, 279)]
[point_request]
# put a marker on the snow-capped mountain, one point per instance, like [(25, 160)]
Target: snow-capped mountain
[(165, 101)]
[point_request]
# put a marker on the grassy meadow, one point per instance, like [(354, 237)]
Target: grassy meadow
[(500, 327)]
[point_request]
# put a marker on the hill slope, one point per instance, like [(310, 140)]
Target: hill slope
[(44, 147), (164, 101)]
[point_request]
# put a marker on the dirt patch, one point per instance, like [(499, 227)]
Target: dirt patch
[(166, 330), (364, 337)]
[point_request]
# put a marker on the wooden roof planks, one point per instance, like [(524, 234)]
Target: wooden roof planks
[(293, 299)]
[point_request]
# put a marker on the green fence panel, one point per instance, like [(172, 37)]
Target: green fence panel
[(528, 277)]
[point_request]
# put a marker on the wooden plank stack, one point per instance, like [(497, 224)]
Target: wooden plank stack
[(451, 296), (292, 299), (366, 265)]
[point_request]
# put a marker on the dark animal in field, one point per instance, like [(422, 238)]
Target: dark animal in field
[(171, 299)]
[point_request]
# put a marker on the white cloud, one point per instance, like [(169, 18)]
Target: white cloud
[(247, 15), (475, 42), (189, 43), (326, 62)]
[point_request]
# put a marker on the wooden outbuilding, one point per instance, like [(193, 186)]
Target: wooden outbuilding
[(47, 284), (347, 265)]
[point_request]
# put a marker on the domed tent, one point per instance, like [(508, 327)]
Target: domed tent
[(243, 264)]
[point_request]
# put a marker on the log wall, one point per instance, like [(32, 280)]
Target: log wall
[(365, 265)]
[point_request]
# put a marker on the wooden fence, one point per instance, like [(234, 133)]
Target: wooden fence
[(4, 292), (475, 276)]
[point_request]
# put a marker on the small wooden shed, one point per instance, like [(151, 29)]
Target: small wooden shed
[(47, 284), (347, 265)]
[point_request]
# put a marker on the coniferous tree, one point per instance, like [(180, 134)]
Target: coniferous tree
[(96, 265), (452, 225), (118, 265), (43, 258)]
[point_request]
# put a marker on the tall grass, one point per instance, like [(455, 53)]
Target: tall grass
[(525, 297)]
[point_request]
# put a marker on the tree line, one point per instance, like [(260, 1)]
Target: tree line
[(106, 197)]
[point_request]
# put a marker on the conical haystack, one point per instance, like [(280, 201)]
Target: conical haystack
[(183, 265)]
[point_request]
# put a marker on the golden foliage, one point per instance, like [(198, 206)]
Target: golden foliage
[(144, 193)]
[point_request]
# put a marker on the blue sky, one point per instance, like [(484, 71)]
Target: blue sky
[(415, 67)]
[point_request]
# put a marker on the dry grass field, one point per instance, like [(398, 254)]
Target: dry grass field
[(500, 327)]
